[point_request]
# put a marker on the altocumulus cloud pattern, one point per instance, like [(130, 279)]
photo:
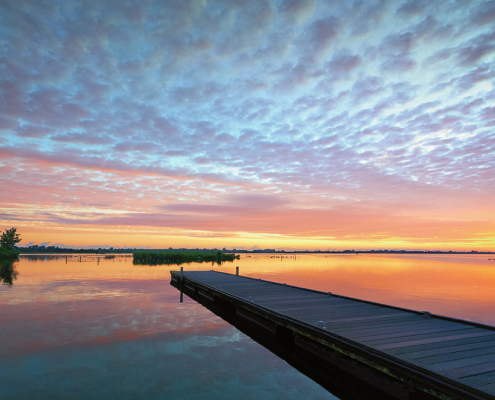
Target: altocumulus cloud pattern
[(323, 121)]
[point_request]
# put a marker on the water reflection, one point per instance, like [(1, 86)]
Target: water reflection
[(8, 272), (116, 330), (83, 324)]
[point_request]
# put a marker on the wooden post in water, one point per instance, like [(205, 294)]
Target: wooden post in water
[(181, 282), (237, 271)]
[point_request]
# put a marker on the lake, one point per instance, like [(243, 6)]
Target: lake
[(111, 329)]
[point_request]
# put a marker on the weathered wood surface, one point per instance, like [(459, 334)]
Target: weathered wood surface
[(456, 350)]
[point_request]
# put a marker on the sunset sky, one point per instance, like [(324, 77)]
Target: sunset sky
[(287, 124)]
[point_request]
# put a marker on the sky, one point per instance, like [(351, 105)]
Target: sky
[(288, 124)]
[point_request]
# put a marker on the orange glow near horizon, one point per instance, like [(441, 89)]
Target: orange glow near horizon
[(111, 212), (133, 237)]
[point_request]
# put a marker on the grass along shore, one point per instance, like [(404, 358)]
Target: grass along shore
[(170, 257), (6, 254)]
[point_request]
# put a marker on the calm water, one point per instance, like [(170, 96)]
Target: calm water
[(116, 330)]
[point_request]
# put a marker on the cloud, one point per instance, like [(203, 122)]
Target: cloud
[(84, 138), (483, 14), (319, 35), (412, 8), (192, 105), (398, 64), (165, 126), (476, 49), (342, 63), (31, 131), (297, 10)]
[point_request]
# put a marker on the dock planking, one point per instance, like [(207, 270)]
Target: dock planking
[(435, 355)]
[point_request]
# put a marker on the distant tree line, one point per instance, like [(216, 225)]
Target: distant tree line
[(58, 250), (55, 250)]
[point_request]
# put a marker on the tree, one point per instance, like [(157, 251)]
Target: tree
[(9, 239)]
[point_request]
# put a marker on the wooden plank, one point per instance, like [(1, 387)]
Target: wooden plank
[(284, 301), (297, 308), (420, 337), (359, 319), (463, 362), (489, 388), (429, 340), (449, 350), (321, 311), (278, 297), (257, 288), (317, 309), (336, 310), (455, 356), (438, 345), (457, 373), (290, 302), (328, 319), (349, 307), (263, 289), (396, 321), (405, 331), (268, 295), (284, 297), (231, 281), (367, 319), (334, 299), (362, 313), (479, 380), (262, 285), (387, 324), (413, 322)]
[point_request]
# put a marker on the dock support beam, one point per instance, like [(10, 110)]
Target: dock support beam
[(285, 337), (237, 271)]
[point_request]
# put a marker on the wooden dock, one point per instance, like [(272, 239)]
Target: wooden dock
[(407, 354)]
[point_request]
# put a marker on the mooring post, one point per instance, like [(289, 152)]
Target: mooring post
[(237, 271), (181, 282)]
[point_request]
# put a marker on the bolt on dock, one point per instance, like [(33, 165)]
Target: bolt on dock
[(408, 354)]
